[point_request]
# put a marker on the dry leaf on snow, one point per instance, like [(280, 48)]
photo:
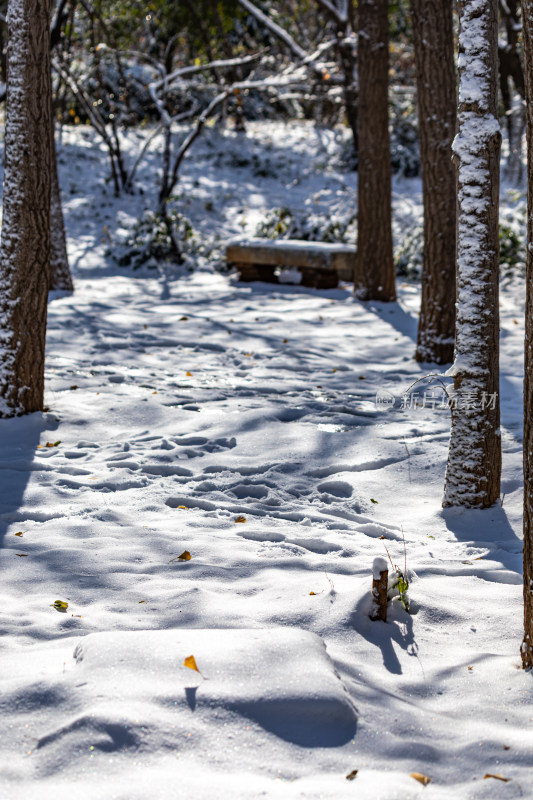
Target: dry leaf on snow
[(423, 779)]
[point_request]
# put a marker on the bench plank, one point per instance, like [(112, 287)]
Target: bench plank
[(308, 256)]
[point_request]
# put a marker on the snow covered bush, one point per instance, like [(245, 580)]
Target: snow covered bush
[(148, 241), (286, 223)]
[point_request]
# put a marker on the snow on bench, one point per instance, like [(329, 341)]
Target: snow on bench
[(317, 264)]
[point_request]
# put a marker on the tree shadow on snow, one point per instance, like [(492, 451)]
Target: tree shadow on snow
[(488, 528), (20, 437)]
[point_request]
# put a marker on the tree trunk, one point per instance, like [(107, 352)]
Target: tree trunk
[(527, 645), (374, 277), (60, 277), (474, 460), (436, 96), (25, 241)]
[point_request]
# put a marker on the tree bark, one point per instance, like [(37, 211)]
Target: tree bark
[(374, 276), (474, 460), (437, 106), (527, 644), (25, 241)]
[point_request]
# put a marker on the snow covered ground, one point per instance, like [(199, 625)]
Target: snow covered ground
[(238, 422)]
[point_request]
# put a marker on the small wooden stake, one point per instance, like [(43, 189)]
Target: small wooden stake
[(380, 582)]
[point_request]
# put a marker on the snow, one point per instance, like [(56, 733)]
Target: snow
[(257, 401)]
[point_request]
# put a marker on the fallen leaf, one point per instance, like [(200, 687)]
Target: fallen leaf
[(362, 377), (498, 776), (285, 341), (185, 556), (78, 616), (74, 386), (185, 508), (430, 536), (470, 668), (142, 601), (188, 374), (156, 392), (183, 319), (507, 747), (20, 533), (373, 501), (60, 605), (423, 779), (22, 555), (53, 444), (383, 537), (190, 662), (334, 369), (351, 775), (312, 593), (240, 519)]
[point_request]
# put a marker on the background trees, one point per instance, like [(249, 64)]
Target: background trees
[(527, 644), (374, 275), (436, 100)]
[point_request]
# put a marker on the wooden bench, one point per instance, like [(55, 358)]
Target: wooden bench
[(320, 264)]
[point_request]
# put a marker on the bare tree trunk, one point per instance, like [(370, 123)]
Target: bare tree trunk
[(374, 275), (527, 644), (25, 242), (60, 277), (437, 105), (474, 460)]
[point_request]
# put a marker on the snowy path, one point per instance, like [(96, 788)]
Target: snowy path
[(252, 401)]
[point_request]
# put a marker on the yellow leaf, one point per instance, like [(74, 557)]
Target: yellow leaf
[(20, 533), (53, 444), (498, 777), (189, 374), (185, 556), (185, 508), (190, 662), (423, 779), (142, 601), (60, 605), (240, 519), (155, 392), (313, 593)]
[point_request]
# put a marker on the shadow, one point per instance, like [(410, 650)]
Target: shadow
[(393, 314), (20, 437), (304, 721), (190, 696), (398, 629), (490, 528)]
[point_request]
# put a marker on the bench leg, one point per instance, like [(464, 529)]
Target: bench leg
[(319, 279), (256, 272)]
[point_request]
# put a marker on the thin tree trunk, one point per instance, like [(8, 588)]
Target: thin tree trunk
[(25, 241), (437, 105), (374, 276), (527, 644), (60, 277), (474, 460)]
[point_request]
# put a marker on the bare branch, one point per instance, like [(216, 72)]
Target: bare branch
[(222, 63), (341, 17), (276, 29)]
